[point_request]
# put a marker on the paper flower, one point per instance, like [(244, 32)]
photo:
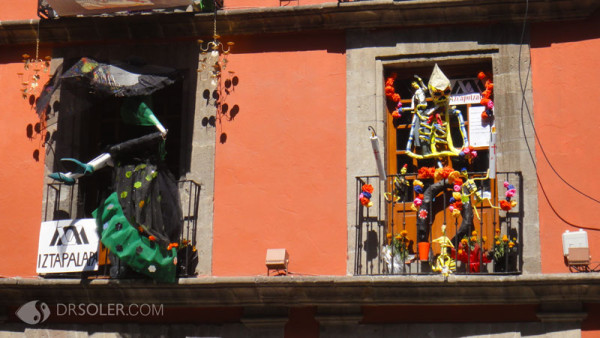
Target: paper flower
[(365, 196), (468, 152), (453, 176), (505, 205), (426, 172), (442, 173), (486, 96), (423, 214), (417, 202)]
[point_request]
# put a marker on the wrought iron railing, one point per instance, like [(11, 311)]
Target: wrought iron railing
[(494, 248), (67, 202)]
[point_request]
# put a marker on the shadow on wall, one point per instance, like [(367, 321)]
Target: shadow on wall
[(30, 89), (218, 98)]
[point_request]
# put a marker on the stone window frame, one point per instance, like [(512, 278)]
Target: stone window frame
[(370, 52), (196, 135)]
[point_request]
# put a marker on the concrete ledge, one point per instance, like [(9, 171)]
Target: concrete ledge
[(327, 16), (321, 291)]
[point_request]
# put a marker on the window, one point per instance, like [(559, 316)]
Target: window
[(465, 89)]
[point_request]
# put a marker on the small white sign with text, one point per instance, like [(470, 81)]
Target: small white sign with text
[(68, 246)]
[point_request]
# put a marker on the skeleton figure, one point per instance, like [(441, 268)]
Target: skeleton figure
[(444, 263), (430, 128)]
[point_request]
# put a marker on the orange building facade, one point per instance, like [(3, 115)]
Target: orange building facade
[(276, 153)]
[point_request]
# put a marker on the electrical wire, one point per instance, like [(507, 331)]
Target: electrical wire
[(525, 106)]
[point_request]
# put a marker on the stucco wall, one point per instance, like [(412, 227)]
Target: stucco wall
[(565, 74), (280, 173), (23, 155), (11, 10)]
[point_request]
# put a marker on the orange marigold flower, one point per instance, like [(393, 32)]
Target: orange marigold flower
[(367, 188), (152, 238), (505, 205), (364, 201), (426, 172), (474, 233), (497, 242), (481, 75), (504, 238), (511, 244), (453, 176)]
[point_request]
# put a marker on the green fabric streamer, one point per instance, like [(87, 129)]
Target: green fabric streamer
[(138, 111), (134, 249)]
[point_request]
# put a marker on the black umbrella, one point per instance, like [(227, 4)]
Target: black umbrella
[(120, 79), (114, 79)]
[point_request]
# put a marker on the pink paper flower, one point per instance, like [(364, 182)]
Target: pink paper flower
[(511, 192)]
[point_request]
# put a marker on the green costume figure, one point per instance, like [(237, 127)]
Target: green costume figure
[(140, 221)]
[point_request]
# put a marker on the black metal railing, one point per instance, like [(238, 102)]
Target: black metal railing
[(67, 202), (494, 248)]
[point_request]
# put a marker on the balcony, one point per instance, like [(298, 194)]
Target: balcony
[(69, 201), (490, 244)]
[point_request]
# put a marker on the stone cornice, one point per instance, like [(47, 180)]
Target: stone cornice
[(328, 16), (321, 291)]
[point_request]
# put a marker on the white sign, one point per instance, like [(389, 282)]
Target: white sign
[(465, 91), (465, 99), (68, 246), (479, 130)]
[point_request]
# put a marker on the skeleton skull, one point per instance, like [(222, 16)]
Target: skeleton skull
[(439, 87)]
